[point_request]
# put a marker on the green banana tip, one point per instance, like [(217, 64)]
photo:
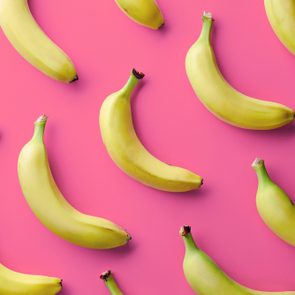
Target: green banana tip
[(257, 163), (138, 75), (207, 15), (185, 230), (43, 118), (105, 275)]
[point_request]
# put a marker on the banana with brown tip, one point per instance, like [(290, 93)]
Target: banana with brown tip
[(126, 150)]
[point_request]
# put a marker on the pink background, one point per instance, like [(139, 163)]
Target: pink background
[(174, 126)]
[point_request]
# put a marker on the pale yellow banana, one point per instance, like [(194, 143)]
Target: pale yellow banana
[(206, 278), (111, 283), (144, 12), (220, 98), (15, 283), (127, 151), (281, 15), (51, 208), (274, 205), (31, 42)]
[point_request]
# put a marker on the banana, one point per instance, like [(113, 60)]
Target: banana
[(220, 98), (281, 15), (274, 205), (15, 283), (206, 278), (111, 283), (127, 151), (51, 208), (32, 43), (144, 12)]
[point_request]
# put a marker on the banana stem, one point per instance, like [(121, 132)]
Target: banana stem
[(134, 78), (110, 283), (185, 232), (40, 124), (259, 166), (207, 26)]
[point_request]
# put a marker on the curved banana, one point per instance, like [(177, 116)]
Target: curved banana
[(15, 283), (143, 12), (206, 278), (220, 98), (111, 283), (274, 205), (31, 42), (49, 205), (127, 151), (281, 15)]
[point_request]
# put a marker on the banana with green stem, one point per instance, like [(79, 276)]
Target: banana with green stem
[(51, 208), (274, 205), (220, 98), (126, 150), (206, 278)]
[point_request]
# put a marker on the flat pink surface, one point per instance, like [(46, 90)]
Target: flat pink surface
[(174, 126)]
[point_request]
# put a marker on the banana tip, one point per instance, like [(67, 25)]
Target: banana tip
[(202, 181), (137, 74), (257, 163), (207, 15), (185, 230), (76, 78), (161, 25), (105, 275), (129, 237)]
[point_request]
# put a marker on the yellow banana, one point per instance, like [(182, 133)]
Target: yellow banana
[(281, 15), (127, 151), (206, 278), (220, 98), (15, 283), (274, 205), (144, 12), (49, 205), (111, 283), (31, 42)]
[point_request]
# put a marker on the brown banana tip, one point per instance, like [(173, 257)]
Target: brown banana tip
[(61, 282), (185, 230), (207, 15), (76, 78), (137, 74), (161, 25), (129, 237), (105, 275)]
